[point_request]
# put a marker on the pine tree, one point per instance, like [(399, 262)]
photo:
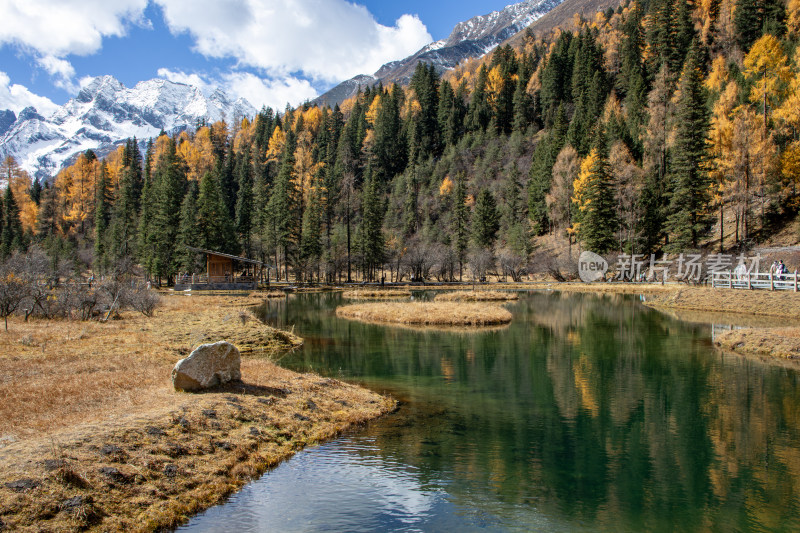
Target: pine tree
[(594, 198), (244, 201), (485, 220), (189, 232), (459, 226), (12, 238), (388, 149), (687, 220), (168, 188), (216, 230), (370, 238), (479, 112), (102, 218)]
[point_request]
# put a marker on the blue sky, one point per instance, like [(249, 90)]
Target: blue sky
[(268, 51)]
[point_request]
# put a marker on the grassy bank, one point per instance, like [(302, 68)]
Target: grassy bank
[(771, 343), (427, 313), (376, 294), (94, 436), (476, 296)]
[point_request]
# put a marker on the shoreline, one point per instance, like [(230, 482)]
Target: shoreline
[(98, 439)]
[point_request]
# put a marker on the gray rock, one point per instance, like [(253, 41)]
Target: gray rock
[(207, 366)]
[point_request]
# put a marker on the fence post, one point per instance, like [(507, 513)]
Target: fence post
[(795, 280), (771, 281), (730, 280)]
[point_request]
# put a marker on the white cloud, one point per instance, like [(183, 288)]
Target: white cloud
[(17, 97), (327, 40), (61, 27), (271, 93), (62, 72), (274, 93)]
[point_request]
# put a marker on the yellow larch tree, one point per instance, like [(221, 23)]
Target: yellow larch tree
[(80, 192), (20, 183), (275, 146), (197, 154)]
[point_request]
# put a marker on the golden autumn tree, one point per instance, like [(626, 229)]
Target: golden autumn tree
[(197, 154), (20, 183), (721, 157), (79, 188)]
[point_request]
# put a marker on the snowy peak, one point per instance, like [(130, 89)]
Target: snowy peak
[(472, 38), (105, 113), (514, 17)]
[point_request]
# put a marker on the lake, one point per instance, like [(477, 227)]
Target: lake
[(587, 413)]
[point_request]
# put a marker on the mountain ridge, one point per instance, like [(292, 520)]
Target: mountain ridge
[(104, 113), (471, 38)]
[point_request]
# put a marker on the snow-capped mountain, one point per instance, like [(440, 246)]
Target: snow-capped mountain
[(105, 113), (473, 38)]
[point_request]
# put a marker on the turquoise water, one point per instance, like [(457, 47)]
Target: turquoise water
[(586, 413)]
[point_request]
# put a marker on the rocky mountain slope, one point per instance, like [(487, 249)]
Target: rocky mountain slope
[(105, 113), (472, 38)]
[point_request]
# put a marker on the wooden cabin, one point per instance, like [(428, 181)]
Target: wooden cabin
[(224, 272)]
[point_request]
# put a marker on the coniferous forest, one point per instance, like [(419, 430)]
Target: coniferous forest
[(655, 127)]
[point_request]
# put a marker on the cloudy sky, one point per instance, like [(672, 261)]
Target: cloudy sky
[(268, 51)]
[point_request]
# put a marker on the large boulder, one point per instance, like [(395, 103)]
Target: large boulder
[(207, 366)]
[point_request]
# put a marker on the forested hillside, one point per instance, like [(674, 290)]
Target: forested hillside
[(648, 128)]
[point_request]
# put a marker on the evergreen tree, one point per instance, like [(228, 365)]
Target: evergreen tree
[(425, 83), (748, 21), (189, 233), (244, 202), (102, 218), (485, 220), (370, 238), (168, 188), (12, 237), (594, 196), (280, 204), (216, 230), (687, 220), (388, 149), (459, 226), (479, 112), (311, 242)]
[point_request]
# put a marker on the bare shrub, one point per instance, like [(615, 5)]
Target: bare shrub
[(480, 261), (560, 267), (418, 260), (144, 300), (512, 264)]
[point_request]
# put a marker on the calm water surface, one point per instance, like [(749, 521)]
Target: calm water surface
[(586, 413)]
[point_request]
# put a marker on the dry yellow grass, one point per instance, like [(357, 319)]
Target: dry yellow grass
[(782, 304), (427, 313), (777, 343), (376, 294), (476, 296), (94, 436)]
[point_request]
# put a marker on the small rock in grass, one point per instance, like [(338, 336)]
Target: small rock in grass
[(227, 446), (298, 416), (152, 430), (207, 366), (170, 470), (22, 485), (255, 432), (114, 474), (74, 502), (54, 464), (209, 413)]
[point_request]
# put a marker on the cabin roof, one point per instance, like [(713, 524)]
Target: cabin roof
[(229, 256)]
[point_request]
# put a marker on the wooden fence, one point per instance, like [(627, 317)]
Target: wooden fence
[(756, 280)]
